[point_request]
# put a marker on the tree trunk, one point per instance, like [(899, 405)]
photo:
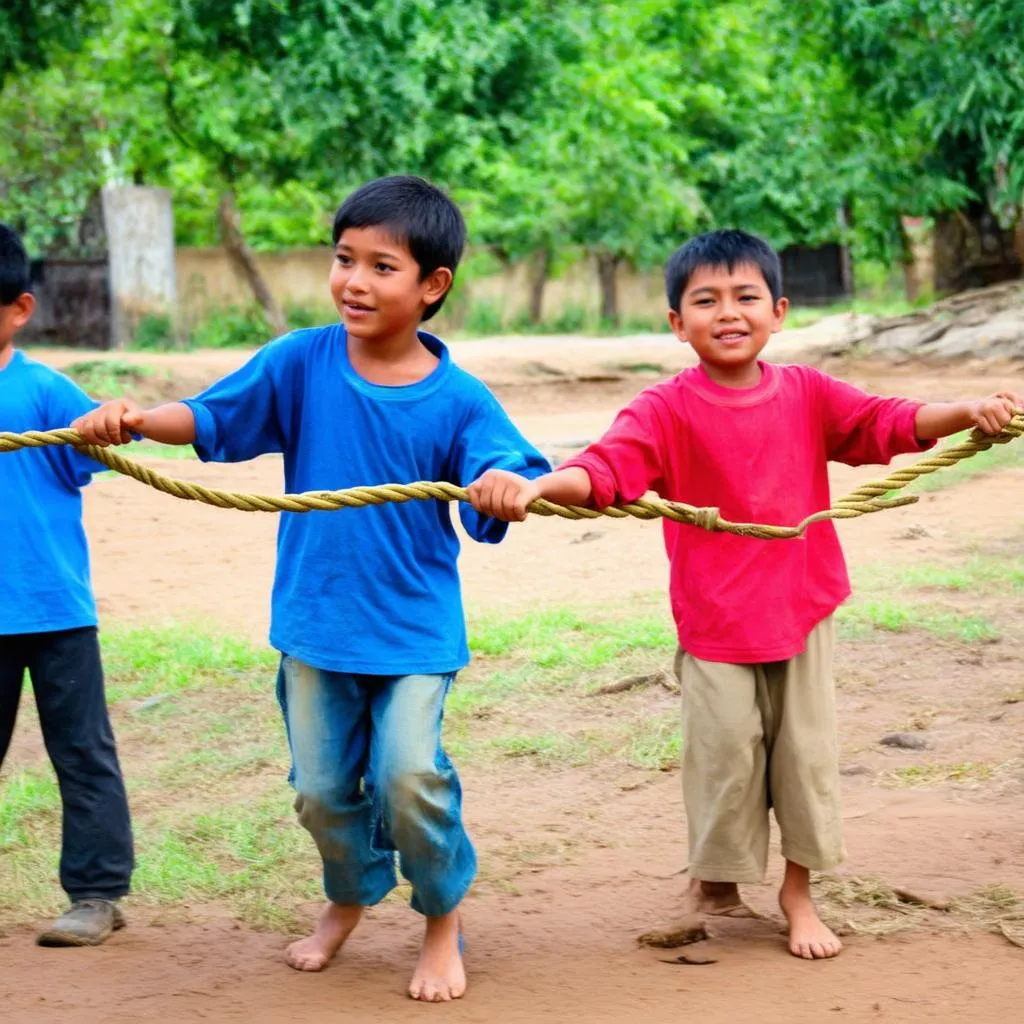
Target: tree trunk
[(845, 215), (607, 263), (241, 257), (911, 278), (540, 271), (972, 250)]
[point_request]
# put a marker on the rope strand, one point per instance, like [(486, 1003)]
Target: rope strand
[(866, 499)]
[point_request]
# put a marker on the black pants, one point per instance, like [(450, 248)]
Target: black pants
[(96, 857)]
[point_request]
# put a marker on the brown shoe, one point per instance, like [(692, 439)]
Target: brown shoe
[(84, 923)]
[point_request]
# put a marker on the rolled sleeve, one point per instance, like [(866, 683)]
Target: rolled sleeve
[(205, 443)]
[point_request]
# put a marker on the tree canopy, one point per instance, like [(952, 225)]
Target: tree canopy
[(615, 127)]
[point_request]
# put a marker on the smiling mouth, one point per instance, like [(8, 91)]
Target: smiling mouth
[(357, 307)]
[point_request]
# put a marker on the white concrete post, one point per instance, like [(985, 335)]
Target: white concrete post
[(139, 222)]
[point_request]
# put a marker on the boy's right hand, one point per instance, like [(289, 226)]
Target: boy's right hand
[(503, 495), (112, 423)]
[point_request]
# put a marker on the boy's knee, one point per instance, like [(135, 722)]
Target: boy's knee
[(734, 743), (318, 818), (413, 799), (310, 810)]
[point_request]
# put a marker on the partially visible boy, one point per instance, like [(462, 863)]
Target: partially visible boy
[(754, 617), (48, 623), (367, 611)]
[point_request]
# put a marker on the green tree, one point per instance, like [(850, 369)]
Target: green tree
[(327, 92), (948, 74), (612, 160), (31, 29), (272, 105)]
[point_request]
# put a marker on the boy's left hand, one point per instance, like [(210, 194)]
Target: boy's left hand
[(503, 495), (993, 413)]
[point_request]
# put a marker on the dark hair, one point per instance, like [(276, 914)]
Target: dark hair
[(15, 270), (721, 249), (419, 215)]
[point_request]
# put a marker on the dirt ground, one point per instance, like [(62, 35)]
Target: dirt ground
[(563, 945)]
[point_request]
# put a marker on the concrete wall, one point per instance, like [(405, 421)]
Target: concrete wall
[(207, 281), (508, 293)]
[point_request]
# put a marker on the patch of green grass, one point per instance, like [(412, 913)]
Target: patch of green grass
[(246, 854), (866, 305), (143, 661), (930, 774), (648, 742), (566, 749), (30, 816), (558, 636), (654, 743), (976, 574), (231, 327), (1000, 456), (154, 450), (484, 319), (107, 378), (646, 368), (29, 800), (232, 762), (894, 616), (154, 333), (205, 754), (543, 653)]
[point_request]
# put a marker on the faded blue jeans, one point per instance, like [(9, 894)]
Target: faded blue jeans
[(371, 778)]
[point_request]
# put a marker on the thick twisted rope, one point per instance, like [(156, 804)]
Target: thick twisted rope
[(865, 499)]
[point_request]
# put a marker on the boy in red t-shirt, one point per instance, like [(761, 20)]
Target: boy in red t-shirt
[(754, 617)]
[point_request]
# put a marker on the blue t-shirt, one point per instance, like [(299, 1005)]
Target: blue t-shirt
[(369, 590), (44, 558)]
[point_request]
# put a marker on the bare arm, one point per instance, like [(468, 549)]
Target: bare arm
[(940, 419), (566, 486), (115, 423), (506, 495)]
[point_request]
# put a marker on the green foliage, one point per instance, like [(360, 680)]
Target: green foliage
[(154, 333), (109, 378), (231, 327), (483, 318), (31, 29), (234, 327), (147, 661), (952, 71), (616, 128)]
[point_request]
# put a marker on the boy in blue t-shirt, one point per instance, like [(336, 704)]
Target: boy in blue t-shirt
[(367, 611), (48, 623)]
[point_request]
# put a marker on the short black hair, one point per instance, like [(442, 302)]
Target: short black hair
[(15, 269), (728, 248), (418, 214)]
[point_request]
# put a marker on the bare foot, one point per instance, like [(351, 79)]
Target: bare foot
[(701, 901), (440, 975), (333, 927), (714, 899), (809, 937)]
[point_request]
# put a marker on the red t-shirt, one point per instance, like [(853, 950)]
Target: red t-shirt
[(759, 455)]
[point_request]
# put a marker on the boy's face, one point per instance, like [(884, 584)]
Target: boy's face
[(12, 319), (376, 286), (727, 317)]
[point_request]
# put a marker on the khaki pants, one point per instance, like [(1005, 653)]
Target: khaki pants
[(760, 737)]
